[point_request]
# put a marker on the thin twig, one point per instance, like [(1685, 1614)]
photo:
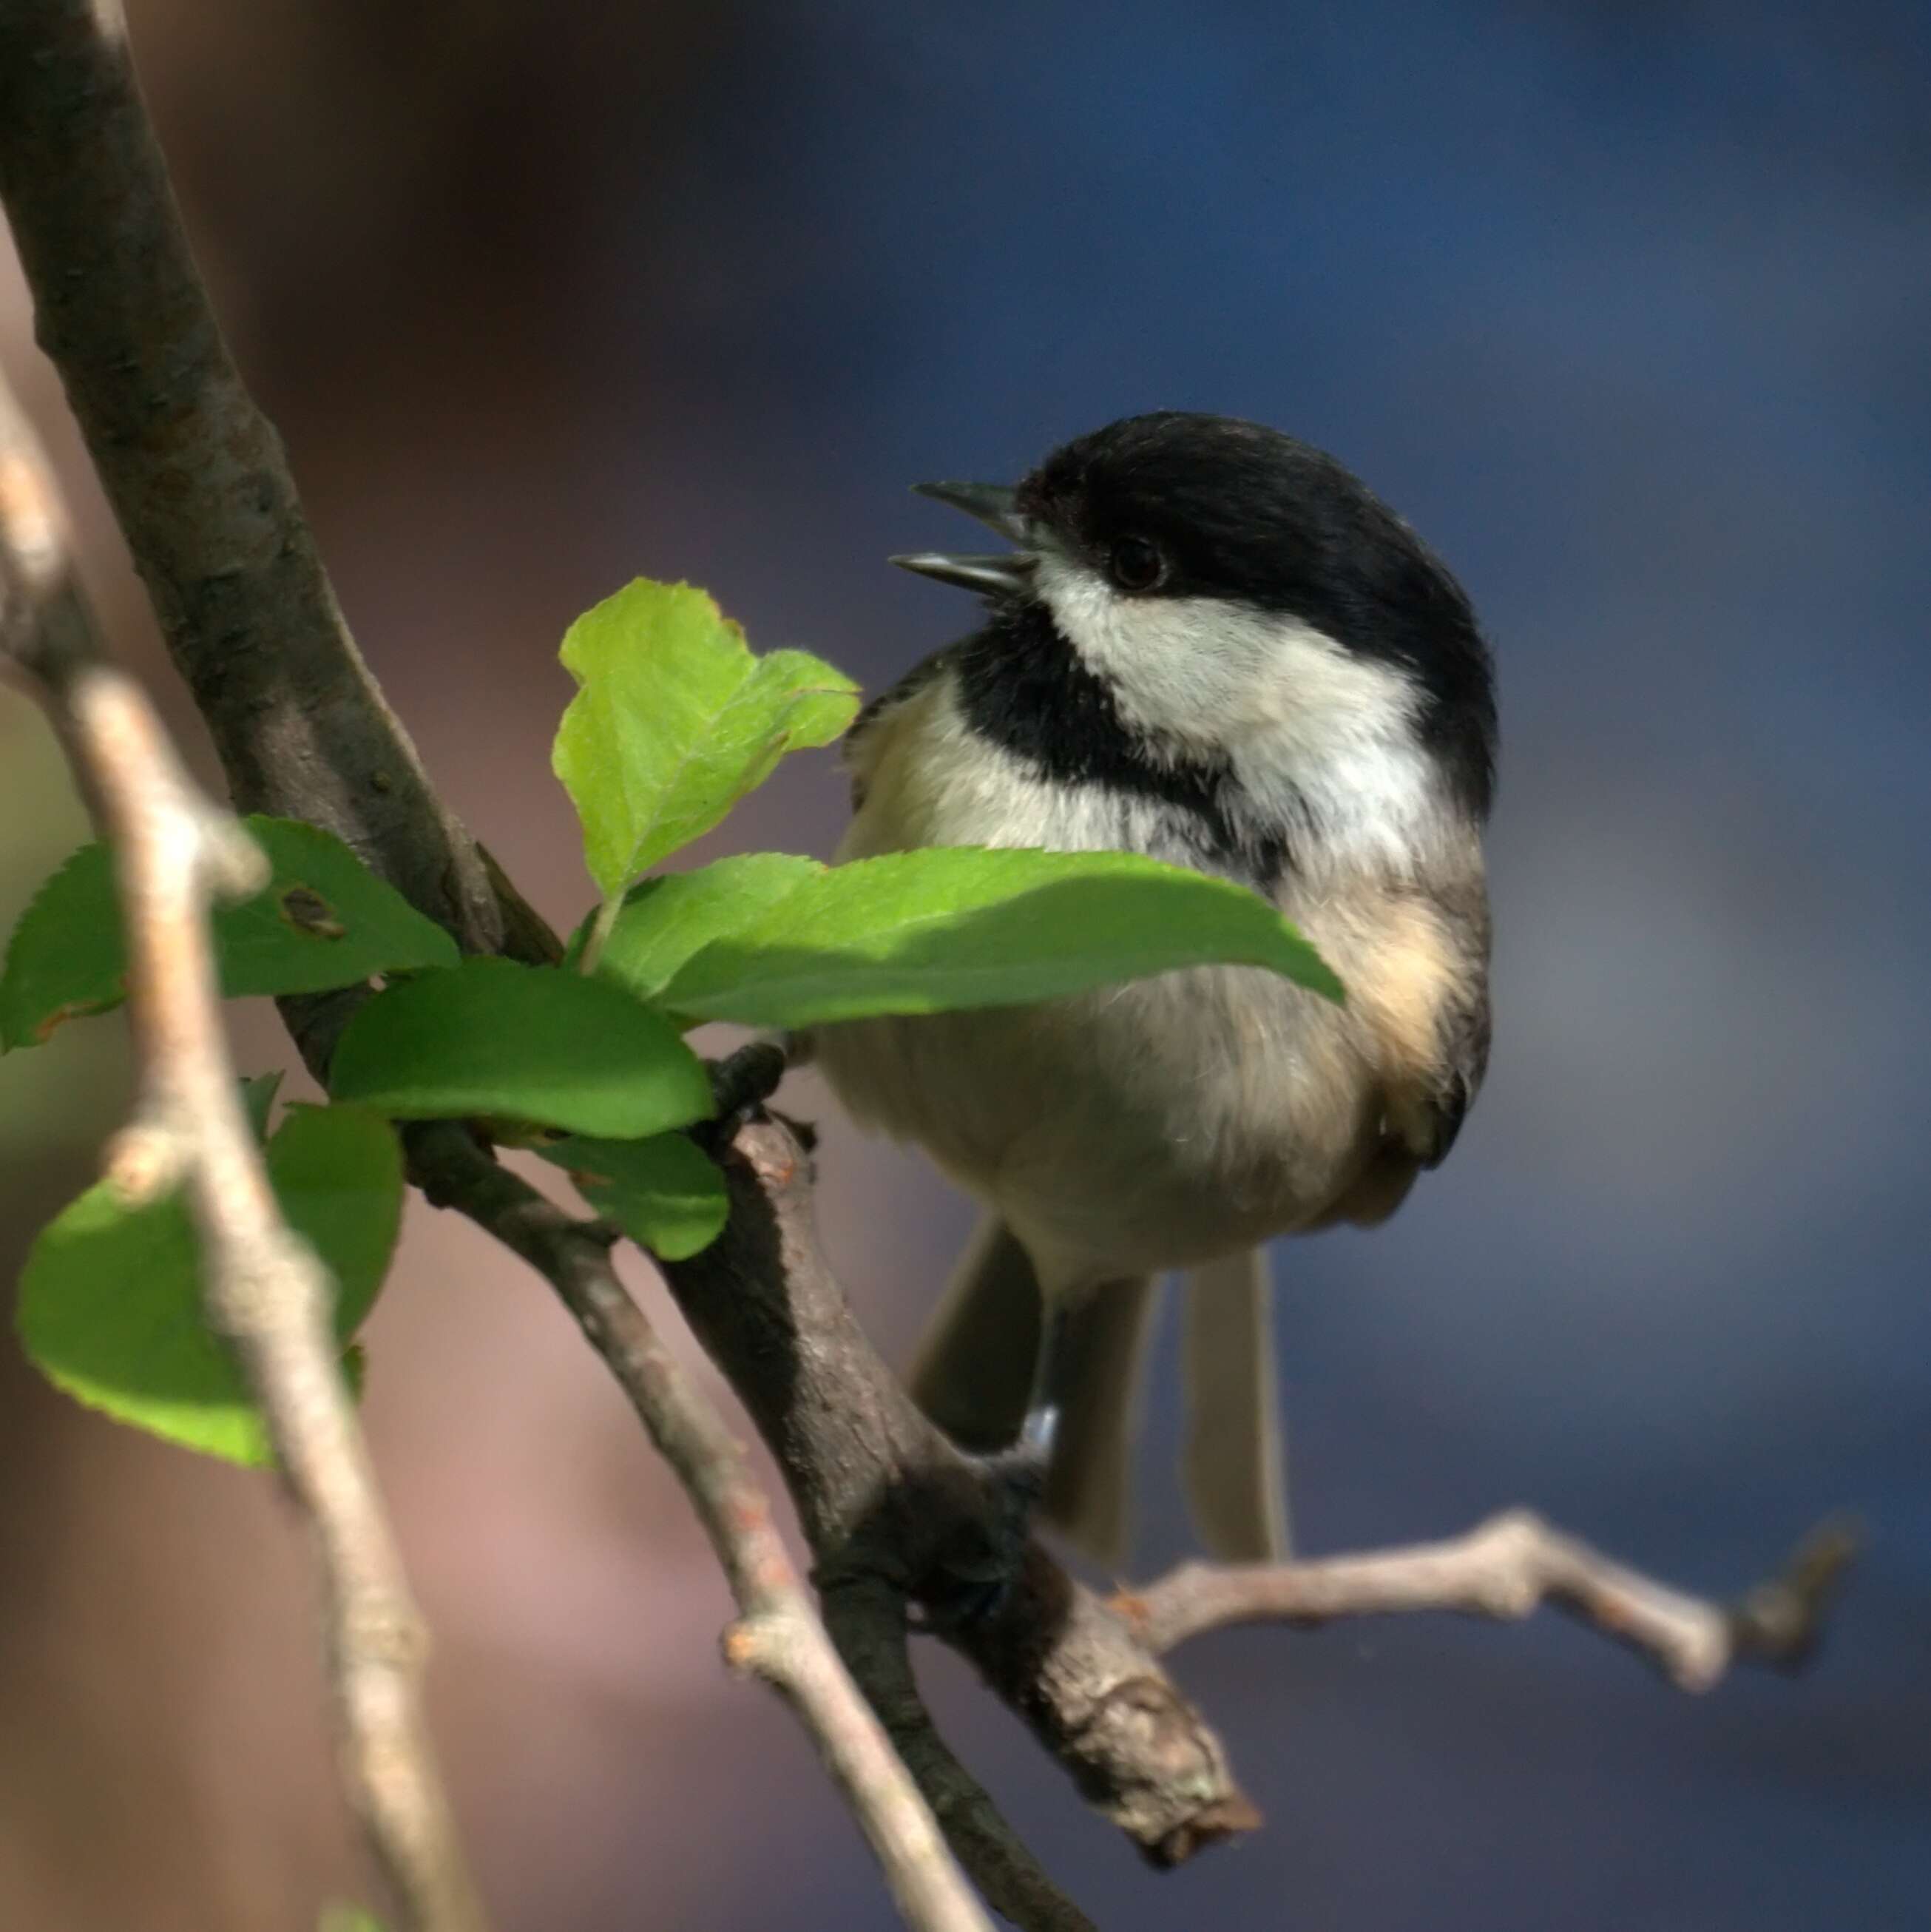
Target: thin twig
[(778, 1636), (264, 1289), (1505, 1568)]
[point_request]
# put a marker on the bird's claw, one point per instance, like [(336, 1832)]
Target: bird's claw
[(972, 1586)]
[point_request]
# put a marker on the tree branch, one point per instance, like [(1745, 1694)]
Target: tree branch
[(778, 1636), (264, 1290), (198, 480), (1505, 1568)]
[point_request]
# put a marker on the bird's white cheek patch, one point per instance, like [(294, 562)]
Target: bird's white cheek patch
[(1185, 668), (1200, 669), (1312, 728)]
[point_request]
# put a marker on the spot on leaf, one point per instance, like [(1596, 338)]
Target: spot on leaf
[(307, 911)]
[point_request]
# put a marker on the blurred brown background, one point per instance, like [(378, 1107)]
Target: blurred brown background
[(1626, 308)]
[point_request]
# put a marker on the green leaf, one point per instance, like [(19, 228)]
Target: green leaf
[(664, 1193), (675, 721), (324, 921), (665, 920), (530, 1043), (111, 1298), (954, 926)]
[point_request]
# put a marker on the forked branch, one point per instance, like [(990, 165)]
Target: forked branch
[(892, 1510), (778, 1636)]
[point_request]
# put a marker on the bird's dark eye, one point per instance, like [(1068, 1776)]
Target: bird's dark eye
[(1135, 563)]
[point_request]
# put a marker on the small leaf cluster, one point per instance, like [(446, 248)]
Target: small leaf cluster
[(675, 720)]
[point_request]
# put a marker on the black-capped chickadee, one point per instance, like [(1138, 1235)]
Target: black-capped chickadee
[(1212, 644)]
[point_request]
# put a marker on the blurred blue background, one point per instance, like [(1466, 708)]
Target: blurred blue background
[(1626, 308)]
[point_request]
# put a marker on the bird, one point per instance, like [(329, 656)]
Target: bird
[(1209, 642)]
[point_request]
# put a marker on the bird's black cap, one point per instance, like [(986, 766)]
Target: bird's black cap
[(1243, 512)]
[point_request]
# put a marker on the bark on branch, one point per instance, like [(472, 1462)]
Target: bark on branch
[(265, 1291)]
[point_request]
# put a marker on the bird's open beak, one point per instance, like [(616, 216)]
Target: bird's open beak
[(993, 504)]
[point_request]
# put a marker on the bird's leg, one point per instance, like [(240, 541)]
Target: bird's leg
[(1025, 1464)]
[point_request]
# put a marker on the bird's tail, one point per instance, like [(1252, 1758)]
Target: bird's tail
[(1234, 1464), (973, 1376)]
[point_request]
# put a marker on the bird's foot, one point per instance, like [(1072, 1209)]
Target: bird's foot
[(973, 1584)]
